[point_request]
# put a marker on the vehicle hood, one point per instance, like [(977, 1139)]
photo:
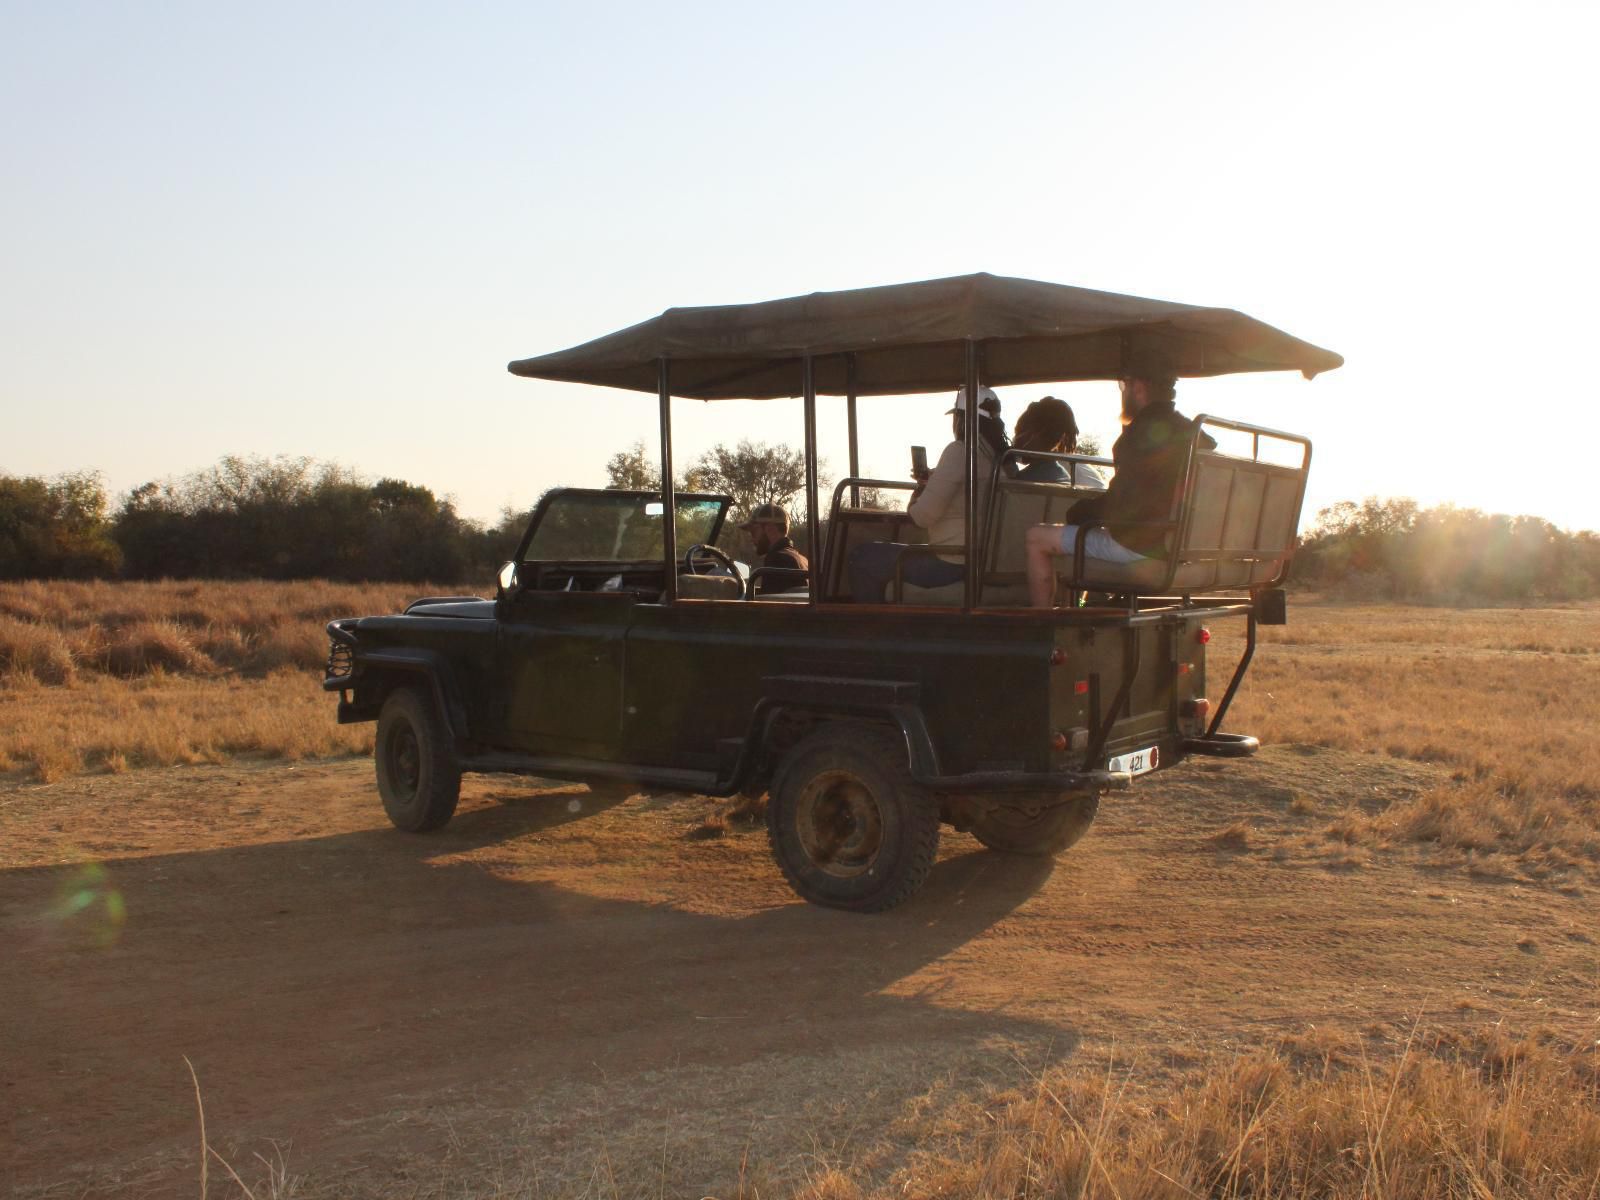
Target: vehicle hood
[(452, 606)]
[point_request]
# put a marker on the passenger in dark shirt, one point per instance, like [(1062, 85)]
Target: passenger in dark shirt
[(1126, 522), (768, 528)]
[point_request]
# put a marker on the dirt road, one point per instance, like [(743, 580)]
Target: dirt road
[(561, 994)]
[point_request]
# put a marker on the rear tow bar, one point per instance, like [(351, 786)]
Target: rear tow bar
[(1223, 745)]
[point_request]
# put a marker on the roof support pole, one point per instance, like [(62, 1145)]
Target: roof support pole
[(808, 387), (974, 560), (850, 417), (669, 497)]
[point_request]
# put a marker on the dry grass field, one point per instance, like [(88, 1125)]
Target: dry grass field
[(1504, 698), (109, 676), (1364, 965)]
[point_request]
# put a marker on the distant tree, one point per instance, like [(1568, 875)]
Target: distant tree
[(632, 470), (752, 473), (1088, 443), (55, 528)]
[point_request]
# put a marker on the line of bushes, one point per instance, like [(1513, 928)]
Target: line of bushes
[(283, 518), (1396, 550)]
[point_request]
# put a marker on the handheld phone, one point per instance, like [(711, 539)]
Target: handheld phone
[(919, 463)]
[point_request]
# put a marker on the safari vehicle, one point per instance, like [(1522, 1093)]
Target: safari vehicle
[(622, 650)]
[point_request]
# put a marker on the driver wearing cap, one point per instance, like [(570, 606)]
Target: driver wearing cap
[(768, 528)]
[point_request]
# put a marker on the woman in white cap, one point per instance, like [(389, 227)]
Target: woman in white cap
[(938, 506)]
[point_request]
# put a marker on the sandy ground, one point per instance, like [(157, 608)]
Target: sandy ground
[(567, 997)]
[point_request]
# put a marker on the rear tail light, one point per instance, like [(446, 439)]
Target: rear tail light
[(1072, 739), (1204, 636), (1195, 708)]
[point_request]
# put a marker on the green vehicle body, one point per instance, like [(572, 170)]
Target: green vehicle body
[(998, 711)]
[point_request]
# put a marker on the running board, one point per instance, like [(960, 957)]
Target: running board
[(703, 783)]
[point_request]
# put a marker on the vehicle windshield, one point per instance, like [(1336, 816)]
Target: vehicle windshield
[(616, 526)]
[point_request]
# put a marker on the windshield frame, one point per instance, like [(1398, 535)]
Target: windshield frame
[(643, 497)]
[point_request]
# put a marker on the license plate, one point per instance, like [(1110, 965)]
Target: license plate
[(1137, 763)]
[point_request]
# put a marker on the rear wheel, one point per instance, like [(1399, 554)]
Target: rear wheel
[(1037, 829), (418, 776), (848, 825)]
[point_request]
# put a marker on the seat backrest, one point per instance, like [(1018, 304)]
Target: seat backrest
[(1016, 507), (852, 527), (1233, 526), (1240, 524)]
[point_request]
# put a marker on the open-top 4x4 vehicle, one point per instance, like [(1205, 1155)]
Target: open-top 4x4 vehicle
[(623, 649)]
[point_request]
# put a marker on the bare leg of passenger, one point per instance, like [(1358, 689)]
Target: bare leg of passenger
[(1043, 547)]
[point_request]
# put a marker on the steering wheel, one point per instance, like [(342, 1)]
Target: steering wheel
[(699, 558)]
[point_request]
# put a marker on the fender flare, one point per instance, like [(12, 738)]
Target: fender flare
[(886, 701), (435, 670)]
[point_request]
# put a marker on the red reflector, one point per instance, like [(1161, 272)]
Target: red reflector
[(1081, 688), (1185, 668), (1195, 708), (1058, 742), (1203, 636), (1057, 656)]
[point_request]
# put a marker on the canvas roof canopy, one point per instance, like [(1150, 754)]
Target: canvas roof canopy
[(911, 337)]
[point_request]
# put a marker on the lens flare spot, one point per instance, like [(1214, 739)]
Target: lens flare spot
[(89, 906)]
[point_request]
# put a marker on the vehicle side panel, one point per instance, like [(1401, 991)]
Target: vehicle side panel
[(559, 665), (694, 675)]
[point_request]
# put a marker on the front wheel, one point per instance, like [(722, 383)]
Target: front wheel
[(1040, 830), (848, 825), (418, 776)]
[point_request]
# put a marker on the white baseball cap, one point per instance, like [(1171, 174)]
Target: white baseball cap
[(988, 402)]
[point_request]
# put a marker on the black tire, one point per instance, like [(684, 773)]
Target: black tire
[(418, 776), (1046, 830), (848, 825)]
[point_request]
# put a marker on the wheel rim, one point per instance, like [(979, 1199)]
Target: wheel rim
[(840, 824), (405, 760)]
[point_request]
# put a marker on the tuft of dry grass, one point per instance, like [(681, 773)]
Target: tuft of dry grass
[(744, 812), (1234, 837), (146, 647), (35, 652)]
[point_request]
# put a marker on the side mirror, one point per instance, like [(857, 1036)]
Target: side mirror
[(507, 576)]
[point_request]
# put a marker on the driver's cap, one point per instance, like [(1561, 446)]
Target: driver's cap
[(767, 514)]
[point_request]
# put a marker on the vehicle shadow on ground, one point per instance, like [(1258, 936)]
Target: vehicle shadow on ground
[(318, 982)]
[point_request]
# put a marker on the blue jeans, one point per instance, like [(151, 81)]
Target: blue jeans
[(872, 569)]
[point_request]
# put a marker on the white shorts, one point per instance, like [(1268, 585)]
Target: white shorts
[(1099, 544)]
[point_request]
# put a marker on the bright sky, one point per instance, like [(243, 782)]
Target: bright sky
[(323, 229)]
